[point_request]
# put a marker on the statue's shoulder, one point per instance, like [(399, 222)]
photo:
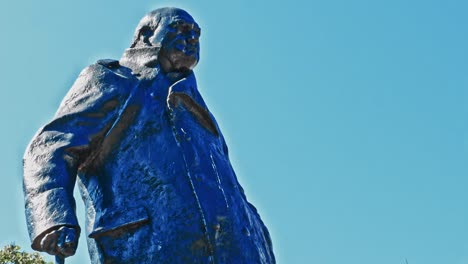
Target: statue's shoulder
[(98, 83), (107, 70), (109, 63), (104, 76)]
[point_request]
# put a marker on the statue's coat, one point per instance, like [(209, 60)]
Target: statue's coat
[(152, 168)]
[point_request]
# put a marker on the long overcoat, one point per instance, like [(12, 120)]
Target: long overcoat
[(153, 170)]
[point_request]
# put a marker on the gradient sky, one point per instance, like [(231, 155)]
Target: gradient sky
[(347, 121)]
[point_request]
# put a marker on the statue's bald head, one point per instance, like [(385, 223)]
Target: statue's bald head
[(168, 37), (153, 27)]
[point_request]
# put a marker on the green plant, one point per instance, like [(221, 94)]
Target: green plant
[(12, 254)]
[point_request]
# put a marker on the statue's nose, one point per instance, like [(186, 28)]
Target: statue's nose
[(192, 38)]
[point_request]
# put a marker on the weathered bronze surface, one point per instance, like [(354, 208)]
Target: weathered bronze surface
[(150, 161)]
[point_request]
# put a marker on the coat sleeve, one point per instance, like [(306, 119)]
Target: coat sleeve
[(58, 149)]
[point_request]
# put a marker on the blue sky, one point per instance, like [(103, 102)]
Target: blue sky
[(347, 121)]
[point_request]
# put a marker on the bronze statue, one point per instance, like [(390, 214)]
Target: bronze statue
[(150, 161)]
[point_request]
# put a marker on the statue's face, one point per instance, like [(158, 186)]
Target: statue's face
[(180, 49)]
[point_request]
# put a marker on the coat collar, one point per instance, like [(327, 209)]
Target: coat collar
[(143, 61)]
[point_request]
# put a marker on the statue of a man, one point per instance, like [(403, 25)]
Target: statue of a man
[(151, 163)]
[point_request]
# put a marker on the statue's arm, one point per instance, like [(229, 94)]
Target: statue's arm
[(52, 158)]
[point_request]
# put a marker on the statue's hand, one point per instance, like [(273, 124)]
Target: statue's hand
[(62, 241)]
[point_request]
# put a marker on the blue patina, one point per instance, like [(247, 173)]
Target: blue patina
[(151, 164)]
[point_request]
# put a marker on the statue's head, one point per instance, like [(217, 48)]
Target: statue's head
[(176, 34)]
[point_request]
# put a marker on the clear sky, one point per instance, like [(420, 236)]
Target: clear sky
[(347, 121)]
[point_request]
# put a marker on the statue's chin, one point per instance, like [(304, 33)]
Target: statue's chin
[(178, 61), (187, 64)]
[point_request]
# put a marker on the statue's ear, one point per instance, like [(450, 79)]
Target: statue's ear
[(142, 39)]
